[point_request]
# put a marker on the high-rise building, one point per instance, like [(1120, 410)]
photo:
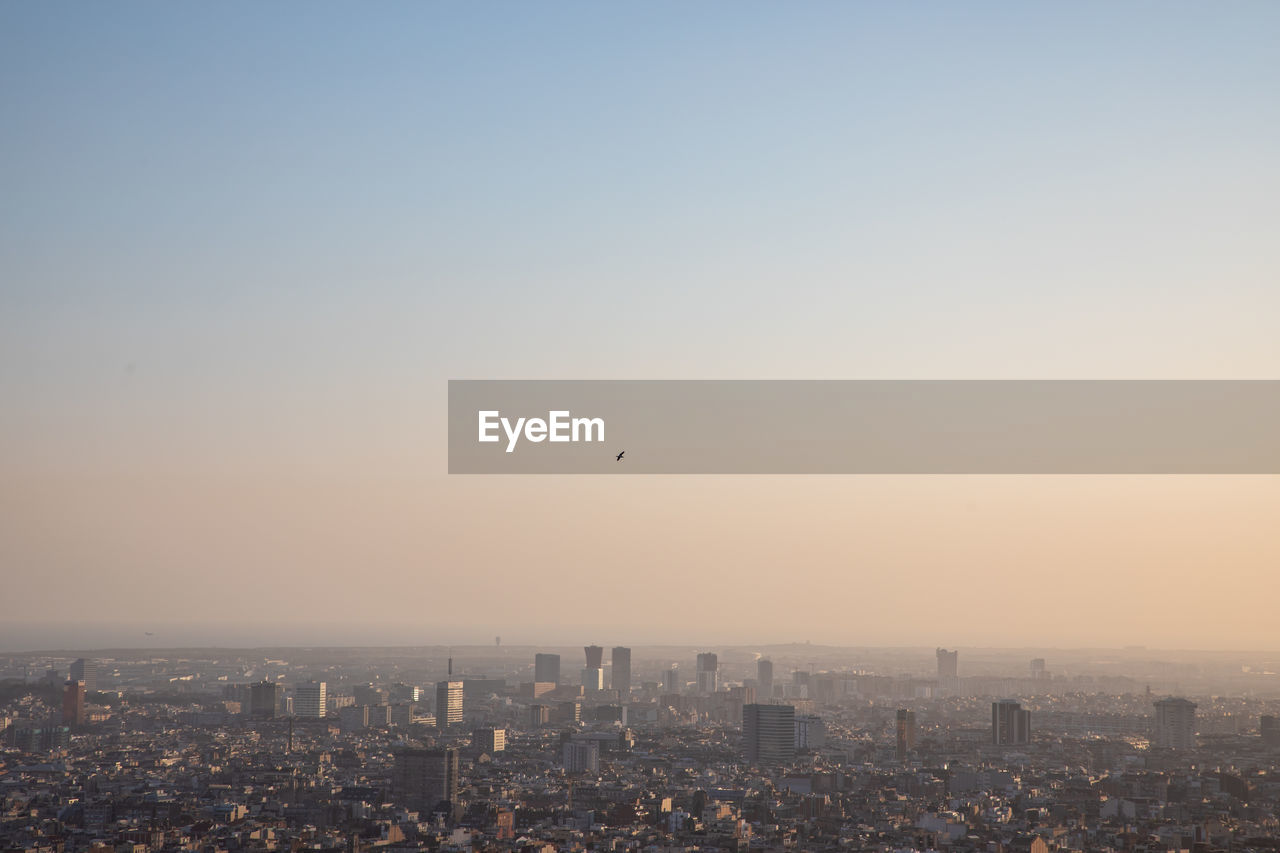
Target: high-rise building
[(73, 703), (595, 656), (1010, 724), (708, 673), (266, 700), (592, 679), (546, 668), (1270, 730), (671, 679), (449, 703), (948, 664), (423, 779), (86, 670), (309, 700), (768, 734), (622, 671), (810, 732), (764, 679), (1175, 724), (906, 733), (1037, 669), (489, 740)]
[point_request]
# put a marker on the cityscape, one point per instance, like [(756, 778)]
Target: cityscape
[(501, 748)]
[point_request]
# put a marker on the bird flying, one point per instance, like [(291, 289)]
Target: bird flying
[(619, 458)]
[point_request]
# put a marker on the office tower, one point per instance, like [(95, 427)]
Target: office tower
[(1270, 730), (309, 700), (593, 679), (546, 668), (539, 715), (764, 679), (489, 740), (948, 664), (1037, 668), (1175, 724), (266, 700), (73, 703), (671, 679), (708, 673), (422, 779), (1010, 724), (595, 657), (581, 756), (768, 734), (906, 733), (448, 704), (87, 671), (622, 671)]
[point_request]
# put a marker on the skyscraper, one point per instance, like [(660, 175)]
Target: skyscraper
[(622, 671), (708, 673), (1269, 730), (1037, 669), (764, 679), (1175, 724), (671, 679), (768, 734), (1010, 724), (422, 779), (86, 670), (546, 668), (266, 700), (906, 733), (73, 703), (595, 656), (309, 700), (948, 664), (448, 704)]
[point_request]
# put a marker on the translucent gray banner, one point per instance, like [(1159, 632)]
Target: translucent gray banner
[(863, 427)]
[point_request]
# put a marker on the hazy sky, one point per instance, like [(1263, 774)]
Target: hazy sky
[(243, 246)]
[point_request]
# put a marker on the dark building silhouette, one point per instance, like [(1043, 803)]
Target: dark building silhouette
[(768, 734), (546, 668), (764, 679), (1175, 724), (948, 664), (906, 733), (708, 672), (622, 671), (422, 779), (1270, 730), (595, 656), (85, 670), (266, 700), (73, 703), (1010, 724)]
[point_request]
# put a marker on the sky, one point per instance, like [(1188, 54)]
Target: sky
[(243, 247)]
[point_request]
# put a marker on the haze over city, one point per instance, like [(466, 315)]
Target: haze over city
[(243, 249)]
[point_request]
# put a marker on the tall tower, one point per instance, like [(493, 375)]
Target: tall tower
[(1010, 724), (86, 670), (948, 665), (73, 704), (546, 668), (1175, 724), (906, 733), (266, 700), (309, 700), (764, 677), (768, 734), (708, 673), (595, 656), (622, 671), (448, 704)]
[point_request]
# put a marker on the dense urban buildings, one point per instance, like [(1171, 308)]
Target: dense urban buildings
[(863, 750)]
